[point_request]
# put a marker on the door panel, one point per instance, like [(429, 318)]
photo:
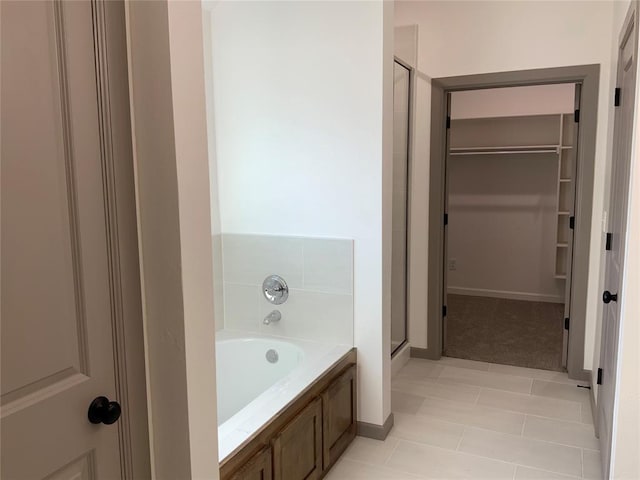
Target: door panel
[(258, 468), (445, 230), (573, 158), (79, 469), (339, 422), (57, 350), (618, 206), (297, 450)]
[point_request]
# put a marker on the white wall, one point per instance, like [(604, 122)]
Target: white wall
[(166, 80), (461, 38), (513, 101), (302, 91), (502, 226), (216, 227)]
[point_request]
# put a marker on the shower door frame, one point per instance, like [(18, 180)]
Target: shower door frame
[(407, 235)]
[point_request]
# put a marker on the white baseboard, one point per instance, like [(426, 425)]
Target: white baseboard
[(400, 359), (481, 292)]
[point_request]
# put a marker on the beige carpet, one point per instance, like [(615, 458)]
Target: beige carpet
[(510, 332)]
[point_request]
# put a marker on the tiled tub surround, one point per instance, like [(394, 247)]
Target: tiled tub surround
[(461, 419), (318, 271)]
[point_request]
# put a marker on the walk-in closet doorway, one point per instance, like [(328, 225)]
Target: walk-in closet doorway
[(509, 197), (546, 243)]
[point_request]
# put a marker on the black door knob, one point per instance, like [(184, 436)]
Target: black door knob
[(102, 410), (607, 296)]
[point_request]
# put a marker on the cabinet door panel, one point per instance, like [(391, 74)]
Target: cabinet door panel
[(258, 468), (339, 415), (297, 450)]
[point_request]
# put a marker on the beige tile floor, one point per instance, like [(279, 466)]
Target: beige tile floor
[(461, 419)]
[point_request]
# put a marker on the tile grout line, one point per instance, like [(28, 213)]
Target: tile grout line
[(491, 407), (393, 450), (565, 381), (464, 430), (528, 439), (493, 459), (500, 409), (547, 471), (477, 455)]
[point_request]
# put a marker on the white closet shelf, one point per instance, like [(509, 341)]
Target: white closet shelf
[(564, 213), (560, 276), (565, 180), (504, 149), (562, 245)]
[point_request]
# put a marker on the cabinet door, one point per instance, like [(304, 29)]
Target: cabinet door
[(297, 449), (339, 415), (258, 468)]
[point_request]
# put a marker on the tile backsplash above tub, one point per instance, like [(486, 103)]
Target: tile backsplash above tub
[(318, 271)]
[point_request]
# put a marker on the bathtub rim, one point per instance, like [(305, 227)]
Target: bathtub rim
[(260, 438)]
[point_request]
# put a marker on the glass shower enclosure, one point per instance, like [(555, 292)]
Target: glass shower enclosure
[(401, 113)]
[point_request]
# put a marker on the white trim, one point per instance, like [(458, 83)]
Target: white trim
[(400, 359), (481, 292)]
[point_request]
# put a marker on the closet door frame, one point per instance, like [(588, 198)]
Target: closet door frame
[(587, 76)]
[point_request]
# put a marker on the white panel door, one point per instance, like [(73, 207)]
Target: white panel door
[(57, 338), (618, 206)]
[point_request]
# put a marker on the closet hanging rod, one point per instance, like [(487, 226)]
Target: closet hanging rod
[(554, 146), (500, 152)]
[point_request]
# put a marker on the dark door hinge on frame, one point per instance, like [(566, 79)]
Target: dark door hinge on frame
[(448, 121), (572, 222), (444, 310), (576, 115), (607, 245), (616, 97), (566, 323), (446, 219), (599, 379)]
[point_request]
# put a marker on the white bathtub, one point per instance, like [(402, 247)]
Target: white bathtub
[(252, 389)]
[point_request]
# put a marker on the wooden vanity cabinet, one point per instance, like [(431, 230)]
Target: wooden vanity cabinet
[(297, 449), (258, 468), (339, 416)]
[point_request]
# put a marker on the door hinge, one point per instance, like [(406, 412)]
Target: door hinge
[(607, 245), (444, 310), (616, 97), (446, 219), (448, 121), (576, 115), (572, 222), (566, 323), (599, 380)]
